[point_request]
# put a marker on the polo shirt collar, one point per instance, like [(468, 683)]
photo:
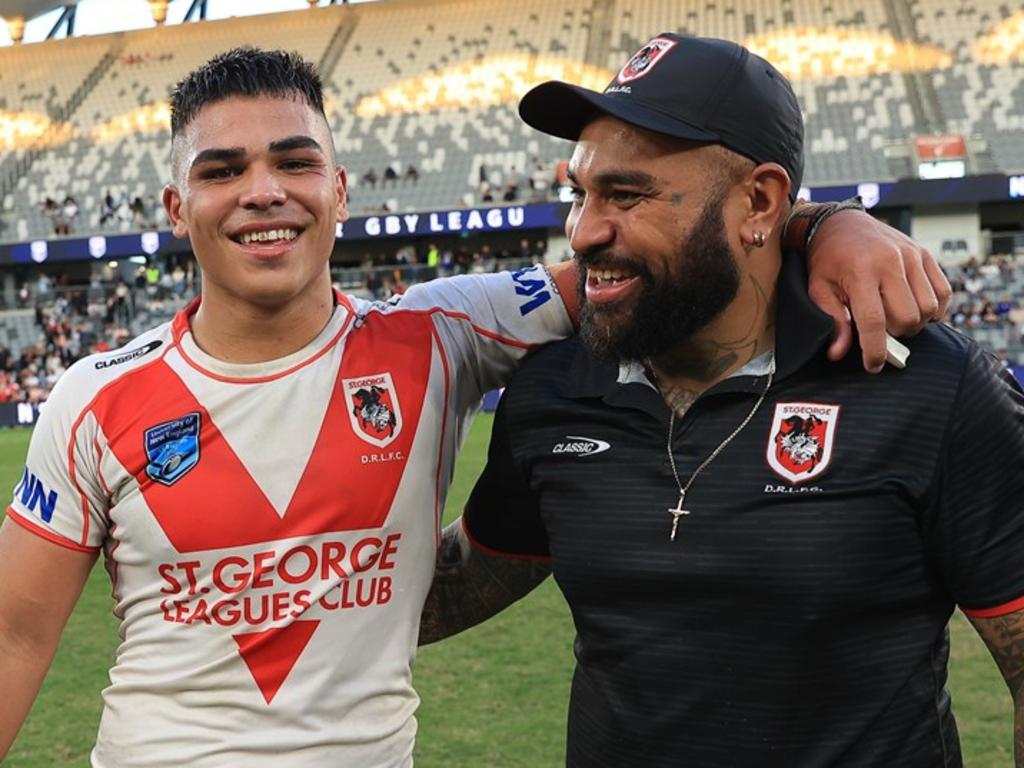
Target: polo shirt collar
[(802, 330)]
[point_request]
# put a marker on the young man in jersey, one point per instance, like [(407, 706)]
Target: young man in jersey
[(265, 474), (760, 549)]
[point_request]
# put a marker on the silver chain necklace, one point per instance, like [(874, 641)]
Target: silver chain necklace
[(678, 510)]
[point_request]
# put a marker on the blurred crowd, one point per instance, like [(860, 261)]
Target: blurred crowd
[(988, 294), (72, 322)]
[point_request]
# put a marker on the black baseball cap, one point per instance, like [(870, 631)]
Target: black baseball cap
[(695, 88)]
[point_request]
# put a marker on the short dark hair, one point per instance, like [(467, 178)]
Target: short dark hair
[(245, 71)]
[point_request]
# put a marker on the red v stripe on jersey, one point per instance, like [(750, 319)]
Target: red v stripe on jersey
[(217, 504), (271, 654)]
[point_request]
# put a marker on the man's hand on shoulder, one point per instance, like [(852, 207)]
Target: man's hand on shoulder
[(861, 267)]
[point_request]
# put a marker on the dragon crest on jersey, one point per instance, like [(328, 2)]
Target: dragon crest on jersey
[(643, 61), (172, 448), (373, 408), (801, 439)]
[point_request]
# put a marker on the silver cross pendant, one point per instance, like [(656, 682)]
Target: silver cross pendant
[(676, 513)]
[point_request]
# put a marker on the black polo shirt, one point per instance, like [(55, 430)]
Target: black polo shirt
[(799, 618)]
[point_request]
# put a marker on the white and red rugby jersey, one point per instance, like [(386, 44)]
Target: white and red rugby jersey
[(271, 529)]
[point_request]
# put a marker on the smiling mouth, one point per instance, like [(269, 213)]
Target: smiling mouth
[(598, 277), (606, 286), (281, 235)]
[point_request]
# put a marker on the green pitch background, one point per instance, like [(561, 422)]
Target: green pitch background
[(493, 697)]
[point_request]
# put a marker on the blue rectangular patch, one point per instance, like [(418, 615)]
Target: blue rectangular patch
[(172, 448)]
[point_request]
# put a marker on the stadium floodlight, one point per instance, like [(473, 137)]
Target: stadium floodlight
[(159, 10), (16, 28)]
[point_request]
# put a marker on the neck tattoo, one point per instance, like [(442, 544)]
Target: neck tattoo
[(678, 510)]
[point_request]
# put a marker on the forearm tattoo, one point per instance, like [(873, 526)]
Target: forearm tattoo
[(1004, 636), (470, 586)]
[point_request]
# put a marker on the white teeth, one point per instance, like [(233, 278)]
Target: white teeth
[(600, 275), (269, 236)]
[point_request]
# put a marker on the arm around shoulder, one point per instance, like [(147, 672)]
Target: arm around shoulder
[(40, 582)]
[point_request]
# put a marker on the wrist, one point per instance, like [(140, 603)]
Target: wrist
[(850, 204), (794, 231)]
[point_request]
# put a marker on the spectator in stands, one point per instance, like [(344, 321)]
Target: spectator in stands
[(138, 209), (69, 212), (539, 177), (390, 175), (124, 212), (412, 174), (51, 209), (369, 178), (108, 208), (1005, 306)]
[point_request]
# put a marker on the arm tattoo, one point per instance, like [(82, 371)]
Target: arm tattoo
[(1004, 636), (470, 586)]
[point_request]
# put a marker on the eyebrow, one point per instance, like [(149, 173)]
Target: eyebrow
[(295, 142), (218, 154), (230, 154), (620, 178)]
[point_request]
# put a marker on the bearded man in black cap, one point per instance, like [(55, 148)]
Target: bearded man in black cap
[(761, 549)]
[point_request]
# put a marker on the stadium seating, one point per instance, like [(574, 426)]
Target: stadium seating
[(433, 85), (869, 74)]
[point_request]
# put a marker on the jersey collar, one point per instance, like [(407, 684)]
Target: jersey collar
[(337, 326)]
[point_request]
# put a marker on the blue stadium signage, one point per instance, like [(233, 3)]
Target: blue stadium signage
[(988, 188), (539, 216), (85, 248), (426, 223)]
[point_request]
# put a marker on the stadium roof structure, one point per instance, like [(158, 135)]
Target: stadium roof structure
[(29, 9)]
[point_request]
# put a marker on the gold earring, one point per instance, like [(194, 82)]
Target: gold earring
[(758, 238)]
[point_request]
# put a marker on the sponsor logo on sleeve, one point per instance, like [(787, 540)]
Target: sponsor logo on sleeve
[(801, 439), (530, 282), (373, 408), (126, 356), (172, 448), (34, 496)]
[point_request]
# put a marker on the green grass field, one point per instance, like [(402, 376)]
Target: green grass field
[(494, 697)]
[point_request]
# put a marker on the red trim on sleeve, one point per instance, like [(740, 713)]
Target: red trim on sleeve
[(38, 530), (495, 553), (442, 442), (998, 610)]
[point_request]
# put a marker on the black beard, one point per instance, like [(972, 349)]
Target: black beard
[(666, 312)]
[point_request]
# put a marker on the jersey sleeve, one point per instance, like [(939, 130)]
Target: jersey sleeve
[(979, 533), (60, 496), (488, 322), (502, 515)]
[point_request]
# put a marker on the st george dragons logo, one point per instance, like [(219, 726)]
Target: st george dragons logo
[(643, 61), (801, 439), (373, 408)]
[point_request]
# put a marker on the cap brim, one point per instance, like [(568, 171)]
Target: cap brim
[(564, 110)]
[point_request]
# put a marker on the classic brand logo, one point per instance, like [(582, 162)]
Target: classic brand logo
[(801, 438), (172, 448), (373, 408), (581, 446), (643, 61), (125, 357)]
